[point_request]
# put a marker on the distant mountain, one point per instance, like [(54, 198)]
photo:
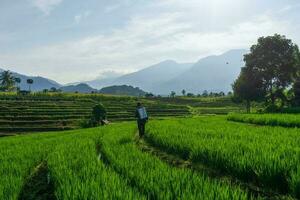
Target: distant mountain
[(213, 73), (151, 77), (100, 83), (39, 83), (80, 88), (123, 90)]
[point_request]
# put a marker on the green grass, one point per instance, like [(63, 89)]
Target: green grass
[(79, 174), (154, 178), (285, 120), (267, 156), (124, 172)]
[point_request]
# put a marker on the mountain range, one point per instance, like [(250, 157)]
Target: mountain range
[(213, 73)]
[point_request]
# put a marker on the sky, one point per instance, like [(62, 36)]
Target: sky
[(75, 40)]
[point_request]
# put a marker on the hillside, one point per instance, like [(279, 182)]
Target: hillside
[(123, 90), (167, 76), (151, 77), (39, 83), (205, 74), (80, 88)]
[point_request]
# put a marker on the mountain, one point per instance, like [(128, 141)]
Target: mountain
[(80, 88), (213, 73), (150, 77), (123, 90), (100, 83), (39, 83)]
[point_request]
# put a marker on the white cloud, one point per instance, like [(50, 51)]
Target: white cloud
[(112, 8), (82, 16), (46, 5)]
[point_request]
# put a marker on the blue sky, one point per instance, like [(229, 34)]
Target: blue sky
[(75, 40)]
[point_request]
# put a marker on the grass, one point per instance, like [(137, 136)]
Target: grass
[(266, 156), (285, 120)]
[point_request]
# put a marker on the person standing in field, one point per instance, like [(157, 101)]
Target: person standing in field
[(142, 118)]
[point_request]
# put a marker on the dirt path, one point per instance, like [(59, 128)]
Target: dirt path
[(176, 161)]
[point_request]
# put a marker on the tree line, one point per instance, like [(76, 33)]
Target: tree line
[(9, 83), (271, 74)]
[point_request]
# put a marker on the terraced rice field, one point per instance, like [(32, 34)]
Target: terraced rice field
[(51, 113), (237, 161)]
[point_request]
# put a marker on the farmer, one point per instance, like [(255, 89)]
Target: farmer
[(142, 118)]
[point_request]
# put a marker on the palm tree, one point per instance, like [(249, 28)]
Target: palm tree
[(18, 81), (29, 82), (7, 81)]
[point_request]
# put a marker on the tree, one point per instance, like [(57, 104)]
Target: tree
[(205, 93), (173, 94), (7, 81), (53, 89), (248, 87), (183, 92), (296, 91), (99, 113), (190, 94), (18, 81), (149, 95), (29, 82), (274, 60)]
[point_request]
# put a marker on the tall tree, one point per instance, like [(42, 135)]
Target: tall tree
[(7, 81), (18, 81), (29, 82), (274, 59), (173, 94), (183, 92), (248, 87), (296, 91)]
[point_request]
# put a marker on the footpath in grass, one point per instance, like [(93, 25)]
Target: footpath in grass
[(265, 156), (154, 178), (38, 185), (61, 165), (19, 157), (284, 120)]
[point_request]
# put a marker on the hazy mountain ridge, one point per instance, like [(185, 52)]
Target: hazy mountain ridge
[(213, 73), (80, 88)]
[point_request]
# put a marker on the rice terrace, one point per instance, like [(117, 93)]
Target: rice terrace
[(93, 105)]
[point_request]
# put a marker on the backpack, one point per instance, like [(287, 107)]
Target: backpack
[(142, 113)]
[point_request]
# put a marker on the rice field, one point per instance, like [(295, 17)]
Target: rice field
[(284, 120), (266, 156), (107, 163)]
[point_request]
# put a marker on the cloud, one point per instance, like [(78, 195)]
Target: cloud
[(46, 6), (82, 16), (149, 37), (111, 8)]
